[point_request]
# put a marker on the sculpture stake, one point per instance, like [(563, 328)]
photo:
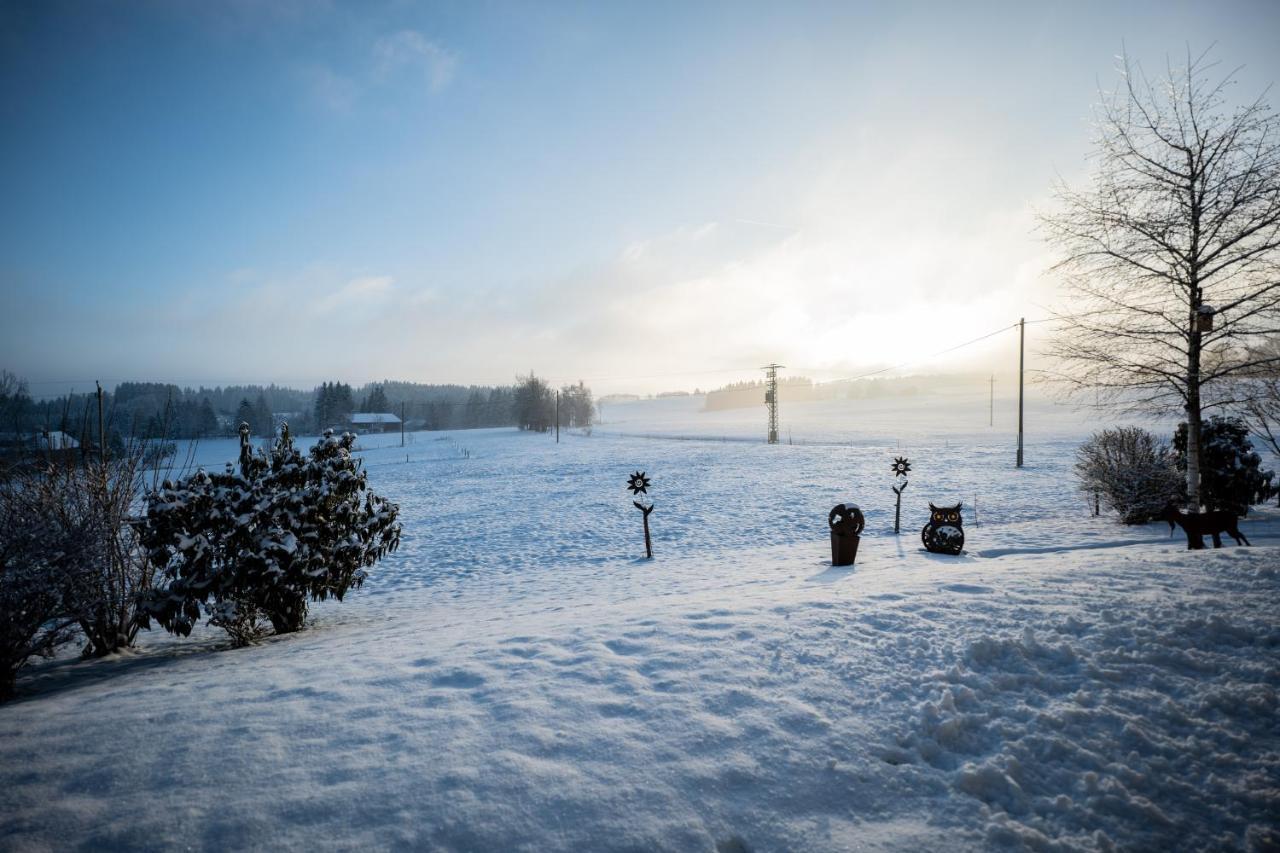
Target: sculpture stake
[(638, 483), (900, 467)]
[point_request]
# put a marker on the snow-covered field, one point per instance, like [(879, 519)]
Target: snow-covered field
[(514, 678)]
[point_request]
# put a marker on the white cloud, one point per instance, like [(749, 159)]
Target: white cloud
[(363, 295), (406, 54), (410, 49), (329, 89)]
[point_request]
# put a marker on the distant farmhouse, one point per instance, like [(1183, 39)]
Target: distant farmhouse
[(373, 421), (56, 440), (18, 443)]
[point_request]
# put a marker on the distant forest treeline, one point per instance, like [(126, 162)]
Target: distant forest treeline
[(161, 410)]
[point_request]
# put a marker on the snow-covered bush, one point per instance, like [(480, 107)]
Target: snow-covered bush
[(264, 540), (69, 555), (1231, 473), (41, 571), (99, 498), (1131, 470)]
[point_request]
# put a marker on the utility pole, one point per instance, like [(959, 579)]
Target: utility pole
[(771, 398), (1022, 340), (102, 436), (402, 423), (991, 406), (557, 417)]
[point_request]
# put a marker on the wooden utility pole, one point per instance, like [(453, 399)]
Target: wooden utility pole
[(1022, 338), (557, 417), (402, 423)]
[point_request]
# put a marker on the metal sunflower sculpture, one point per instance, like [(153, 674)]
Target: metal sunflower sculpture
[(900, 468), (638, 483)]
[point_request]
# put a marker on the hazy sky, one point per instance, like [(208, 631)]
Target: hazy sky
[(645, 195)]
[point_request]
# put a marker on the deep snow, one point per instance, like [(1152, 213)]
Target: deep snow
[(516, 679)]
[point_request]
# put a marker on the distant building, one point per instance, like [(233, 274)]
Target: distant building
[(56, 440), (373, 421)]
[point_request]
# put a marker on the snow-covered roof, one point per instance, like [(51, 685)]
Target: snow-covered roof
[(56, 440), (374, 418)]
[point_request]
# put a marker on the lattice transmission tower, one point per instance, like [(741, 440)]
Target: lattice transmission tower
[(771, 398)]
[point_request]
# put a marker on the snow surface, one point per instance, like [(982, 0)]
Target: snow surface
[(515, 678)]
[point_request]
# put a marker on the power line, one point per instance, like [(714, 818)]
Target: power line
[(926, 357)]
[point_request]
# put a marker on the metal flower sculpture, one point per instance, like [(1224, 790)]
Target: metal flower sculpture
[(638, 483), (900, 468)]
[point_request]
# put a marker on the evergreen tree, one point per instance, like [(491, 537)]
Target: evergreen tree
[(323, 396), (262, 542), (501, 409), (343, 401), (245, 414), (377, 401), (264, 422), (1231, 474), (206, 421), (473, 414)]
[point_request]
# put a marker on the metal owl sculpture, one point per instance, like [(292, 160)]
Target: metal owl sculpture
[(944, 534)]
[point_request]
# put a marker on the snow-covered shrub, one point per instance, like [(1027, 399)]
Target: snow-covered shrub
[(70, 555), (264, 540), (1231, 473), (1131, 470), (99, 498), (41, 571)]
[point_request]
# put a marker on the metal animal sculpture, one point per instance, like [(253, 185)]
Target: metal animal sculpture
[(944, 534), (1199, 524)]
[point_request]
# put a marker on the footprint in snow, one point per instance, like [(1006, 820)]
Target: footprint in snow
[(966, 587), (622, 647), (459, 679)]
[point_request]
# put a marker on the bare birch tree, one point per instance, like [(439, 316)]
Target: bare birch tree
[(1171, 257)]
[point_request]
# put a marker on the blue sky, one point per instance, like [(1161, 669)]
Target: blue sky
[(290, 192)]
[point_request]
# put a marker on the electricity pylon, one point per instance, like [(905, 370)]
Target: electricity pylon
[(771, 398)]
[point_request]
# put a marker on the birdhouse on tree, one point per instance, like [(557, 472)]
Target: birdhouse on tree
[(1204, 318)]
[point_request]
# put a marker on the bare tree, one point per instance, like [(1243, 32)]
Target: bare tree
[(1172, 255)]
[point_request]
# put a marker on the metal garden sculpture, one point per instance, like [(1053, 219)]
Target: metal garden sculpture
[(944, 534), (638, 483), (900, 468), (846, 522)]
